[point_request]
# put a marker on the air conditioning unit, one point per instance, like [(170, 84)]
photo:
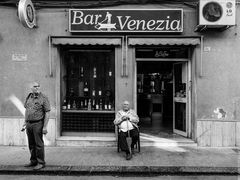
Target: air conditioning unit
[(217, 13)]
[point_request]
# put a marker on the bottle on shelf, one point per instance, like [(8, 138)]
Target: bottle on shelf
[(93, 104), (85, 89), (69, 105), (85, 103), (100, 92), (152, 84), (109, 106), (81, 72), (97, 105), (93, 92), (105, 105), (100, 104), (81, 104), (94, 72), (89, 105), (64, 106), (74, 106)]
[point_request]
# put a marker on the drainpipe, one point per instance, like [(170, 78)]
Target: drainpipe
[(50, 56), (201, 57)]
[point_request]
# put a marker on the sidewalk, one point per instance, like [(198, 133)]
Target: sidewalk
[(106, 160)]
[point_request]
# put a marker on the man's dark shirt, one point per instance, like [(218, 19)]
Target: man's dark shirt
[(36, 107)]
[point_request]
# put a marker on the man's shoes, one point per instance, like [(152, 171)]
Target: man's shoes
[(39, 166), (31, 164), (132, 150), (128, 156)]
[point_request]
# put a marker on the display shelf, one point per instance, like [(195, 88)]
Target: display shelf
[(180, 99), (87, 111), (88, 121)]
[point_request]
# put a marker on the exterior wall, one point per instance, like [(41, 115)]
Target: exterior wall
[(218, 87), (216, 78), (11, 135), (215, 133)]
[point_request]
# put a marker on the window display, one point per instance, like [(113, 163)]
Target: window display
[(89, 80), (88, 90)]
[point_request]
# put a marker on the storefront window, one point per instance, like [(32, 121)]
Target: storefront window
[(88, 89)]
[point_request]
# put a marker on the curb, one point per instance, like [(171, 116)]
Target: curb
[(121, 170)]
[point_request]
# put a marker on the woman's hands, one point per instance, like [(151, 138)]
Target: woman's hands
[(125, 118)]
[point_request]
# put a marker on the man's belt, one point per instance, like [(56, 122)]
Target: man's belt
[(31, 122)]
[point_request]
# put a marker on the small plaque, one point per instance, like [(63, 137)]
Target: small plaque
[(19, 57)]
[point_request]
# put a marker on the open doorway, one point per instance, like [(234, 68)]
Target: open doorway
[(156, 94)]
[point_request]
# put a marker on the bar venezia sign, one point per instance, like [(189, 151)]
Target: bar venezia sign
[(131, 20)]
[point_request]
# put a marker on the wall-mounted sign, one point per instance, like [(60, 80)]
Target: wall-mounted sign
[(19, 57), (27, 14), (130, 20)]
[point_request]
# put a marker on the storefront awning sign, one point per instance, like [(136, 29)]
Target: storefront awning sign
[(27, 14), (131, 20)]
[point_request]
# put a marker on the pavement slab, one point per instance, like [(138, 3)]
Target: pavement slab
[(106, 160)]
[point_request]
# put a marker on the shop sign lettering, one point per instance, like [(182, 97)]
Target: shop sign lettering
[(133, 20), (166, 52), (161, 54)]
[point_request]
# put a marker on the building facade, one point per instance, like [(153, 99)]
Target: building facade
[(180, 76)]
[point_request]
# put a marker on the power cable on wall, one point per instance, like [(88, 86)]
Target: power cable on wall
[(94, 3)]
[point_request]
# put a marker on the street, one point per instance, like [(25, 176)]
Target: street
[(37, 177)]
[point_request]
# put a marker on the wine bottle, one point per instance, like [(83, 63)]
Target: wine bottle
[(81, 72), (109, 106), (74, 106), (105, 105), (85, 90), (85, 103), (64, 106), (100, 104), (100, 92), (69, 105), (81, 104), (97, 105), (94, 72), (93, 92), (93, 103), (89, 105)]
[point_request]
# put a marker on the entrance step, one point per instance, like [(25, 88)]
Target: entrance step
[(86, 141), (150, 140), (110, 141)]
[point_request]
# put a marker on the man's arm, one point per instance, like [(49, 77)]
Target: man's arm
[(47, 109), (134, 117), (45, 123), (118, 120)]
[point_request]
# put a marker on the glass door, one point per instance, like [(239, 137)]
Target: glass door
[(180, 98)]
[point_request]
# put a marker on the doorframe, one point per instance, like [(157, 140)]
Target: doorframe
[(190, 88), (188, 103)]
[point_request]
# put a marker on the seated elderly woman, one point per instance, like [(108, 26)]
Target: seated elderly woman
[(127, 119)]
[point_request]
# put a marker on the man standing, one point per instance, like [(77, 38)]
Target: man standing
[(36, 120), (127, 119)]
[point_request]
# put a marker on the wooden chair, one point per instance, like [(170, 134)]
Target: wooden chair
[(137, 146)]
